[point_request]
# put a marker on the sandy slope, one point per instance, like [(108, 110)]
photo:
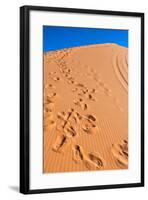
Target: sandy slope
[(85, 108)]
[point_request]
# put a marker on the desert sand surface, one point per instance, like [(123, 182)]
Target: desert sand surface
[(86, 109)]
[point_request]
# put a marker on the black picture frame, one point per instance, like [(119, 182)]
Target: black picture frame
[(25, 105)]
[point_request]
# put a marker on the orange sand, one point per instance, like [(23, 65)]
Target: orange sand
[(86, 109)]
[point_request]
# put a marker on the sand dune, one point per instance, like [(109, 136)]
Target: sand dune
[(86, 109)]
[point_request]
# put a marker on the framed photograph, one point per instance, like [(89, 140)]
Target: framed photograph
[(81, 99)]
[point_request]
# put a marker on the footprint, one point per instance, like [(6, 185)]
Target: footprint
[(70, 131), (68, 115), (90, 97), (48, 115), (85, 106), (50, 96), (70, 81), (48, 109), (76, 117), (88, 124), (61, 115), (51, 73), (65, 75), (93, 90), (78, 153), (79, 85), (49, 126), (48, 112), (72, 126), (48, 87), (79, 116), (47, 101), (81, 104), (70, 78), (84, 90), (96, 161), (60, 143), (120, 153), (69, 123), (67, 70), (91, 162), (56, 78), (91, 117), (51, 86)]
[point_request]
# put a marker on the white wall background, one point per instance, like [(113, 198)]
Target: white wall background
[(9, 99)]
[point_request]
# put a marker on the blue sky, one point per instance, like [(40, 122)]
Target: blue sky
[(59, 37)]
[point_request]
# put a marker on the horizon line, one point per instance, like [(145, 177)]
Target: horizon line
[(77, 46)]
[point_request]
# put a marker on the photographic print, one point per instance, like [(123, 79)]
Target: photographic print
[(85, 99), (81, 99)]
